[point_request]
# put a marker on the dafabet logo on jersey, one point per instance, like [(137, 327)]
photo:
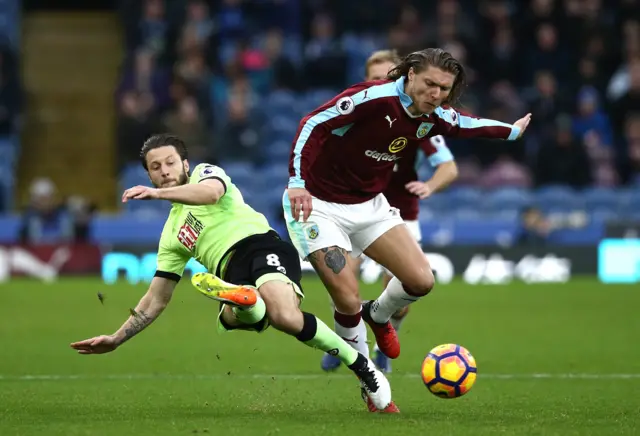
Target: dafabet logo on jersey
[(398, 144), (190, 231)]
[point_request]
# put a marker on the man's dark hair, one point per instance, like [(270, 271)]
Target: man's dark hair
[(435, 57), (163, 140)]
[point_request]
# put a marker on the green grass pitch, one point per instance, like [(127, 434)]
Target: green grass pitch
[(552, 360)]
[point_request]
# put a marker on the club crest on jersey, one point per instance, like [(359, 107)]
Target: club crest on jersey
[(423, 129), (313, 232), (190, 231), (398, 144)]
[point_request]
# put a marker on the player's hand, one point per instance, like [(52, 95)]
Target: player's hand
[(523, 123), (140, 193), (300, 202), (420, 189), (98, 345)]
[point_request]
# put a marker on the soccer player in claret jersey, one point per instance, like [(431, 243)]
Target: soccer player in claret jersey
[(341, 161), (404, 193), (257, 274)]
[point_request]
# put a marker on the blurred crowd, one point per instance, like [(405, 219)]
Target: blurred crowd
[(11, 105), (204, 70), (234, 77)]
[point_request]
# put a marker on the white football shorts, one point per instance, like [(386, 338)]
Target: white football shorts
[(352, 227)]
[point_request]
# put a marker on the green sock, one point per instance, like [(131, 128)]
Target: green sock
[(317, 334), (252, 314)]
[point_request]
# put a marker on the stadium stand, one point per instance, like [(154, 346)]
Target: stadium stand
[(256, 67)]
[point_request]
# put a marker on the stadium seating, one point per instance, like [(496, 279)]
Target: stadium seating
[(9, 153), (460, 214)]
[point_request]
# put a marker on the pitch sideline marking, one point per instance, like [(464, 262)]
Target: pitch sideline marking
[(69, 377)]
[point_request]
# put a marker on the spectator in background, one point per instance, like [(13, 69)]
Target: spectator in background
[(590, 74), (546, 101), (631, 166), (411, 22), (450, 22), (563, 160), (186, 122), (325, 62), (503, 55), (135, 123), (535, 227), (82, 212), (231, 21), (399, 40), (192, 69), (546, 54), (620, 81), (148, 79), (45, 221), (239, 138), (199, 22), (153, 28), (282, 71), (591, 118), (538, 12), (255, 64), (10, 94), (629, 101)]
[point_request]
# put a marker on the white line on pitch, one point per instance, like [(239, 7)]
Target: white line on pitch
[(65, 377)]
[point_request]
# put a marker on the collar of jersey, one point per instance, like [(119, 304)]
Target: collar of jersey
[(405, 100)]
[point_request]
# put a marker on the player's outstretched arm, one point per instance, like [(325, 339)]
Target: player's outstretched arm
[(208, 191), (195, 194), (147, 310), (452, 122)]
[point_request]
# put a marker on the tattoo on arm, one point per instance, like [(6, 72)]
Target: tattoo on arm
[(139, 320), (334, 258)]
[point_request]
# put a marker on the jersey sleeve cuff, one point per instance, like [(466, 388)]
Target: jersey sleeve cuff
[(441, 156), (218, 179), (515, 132), (296, 182), (167, 275)]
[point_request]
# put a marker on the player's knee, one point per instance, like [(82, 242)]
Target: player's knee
[(282, 306), (421, 284), (286, 320), (348, 303)]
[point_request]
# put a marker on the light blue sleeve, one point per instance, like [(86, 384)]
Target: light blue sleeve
[(442, 154)]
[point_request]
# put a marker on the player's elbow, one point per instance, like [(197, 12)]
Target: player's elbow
[(214, 197), (212, 190), (212, 194)]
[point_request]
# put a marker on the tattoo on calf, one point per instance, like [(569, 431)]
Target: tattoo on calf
[(138, 322)]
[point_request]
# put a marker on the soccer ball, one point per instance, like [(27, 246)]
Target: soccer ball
[(449, 371)]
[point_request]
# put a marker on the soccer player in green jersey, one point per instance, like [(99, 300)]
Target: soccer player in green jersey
[(252, 272)]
